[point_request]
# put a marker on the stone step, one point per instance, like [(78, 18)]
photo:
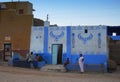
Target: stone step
[(53, 68), (3, 63)]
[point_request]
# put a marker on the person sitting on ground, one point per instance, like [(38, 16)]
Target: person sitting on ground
[(38, 57), (30, 57), (67, 62)]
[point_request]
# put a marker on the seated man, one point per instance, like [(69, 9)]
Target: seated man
[(39, 58), (67, 62), (30, 57)]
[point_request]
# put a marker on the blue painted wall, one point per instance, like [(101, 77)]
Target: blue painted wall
[(93, 45)]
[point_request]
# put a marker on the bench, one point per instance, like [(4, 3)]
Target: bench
[(25, 64), (95, 67), (40, 64), (87, 67), (19, 63), (72, 67)]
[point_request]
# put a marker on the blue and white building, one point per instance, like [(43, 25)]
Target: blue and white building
[(55, 44)]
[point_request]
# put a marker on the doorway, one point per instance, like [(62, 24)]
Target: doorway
[(57, 53), (7, 51)]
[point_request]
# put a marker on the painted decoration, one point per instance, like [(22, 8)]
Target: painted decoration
[(91, 43), (73, 40), (85, 39), (99, 40), (56, 37)]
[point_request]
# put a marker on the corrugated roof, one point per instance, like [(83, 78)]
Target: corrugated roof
[(115, 37)]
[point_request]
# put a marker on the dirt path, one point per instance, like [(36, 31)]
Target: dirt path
[(15, 74)]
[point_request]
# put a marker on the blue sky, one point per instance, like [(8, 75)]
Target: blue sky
[(77, 12)]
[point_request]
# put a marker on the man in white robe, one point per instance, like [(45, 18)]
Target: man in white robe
[(81, 63)]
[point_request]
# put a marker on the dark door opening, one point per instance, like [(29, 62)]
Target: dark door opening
[(59, 57), (7, 51)]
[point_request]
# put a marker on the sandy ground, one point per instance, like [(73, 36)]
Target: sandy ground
[(16, 74)]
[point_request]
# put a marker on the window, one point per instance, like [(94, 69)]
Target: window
[(2, 6), (86, 31), (113, 34), (20, 11)]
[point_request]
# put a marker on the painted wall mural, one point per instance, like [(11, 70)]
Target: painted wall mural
[(85, 39), (92, 42), (56, 37)]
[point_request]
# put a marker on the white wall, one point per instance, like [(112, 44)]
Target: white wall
[(37, 39), (94, 43), (87, 43), (57, 35)]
